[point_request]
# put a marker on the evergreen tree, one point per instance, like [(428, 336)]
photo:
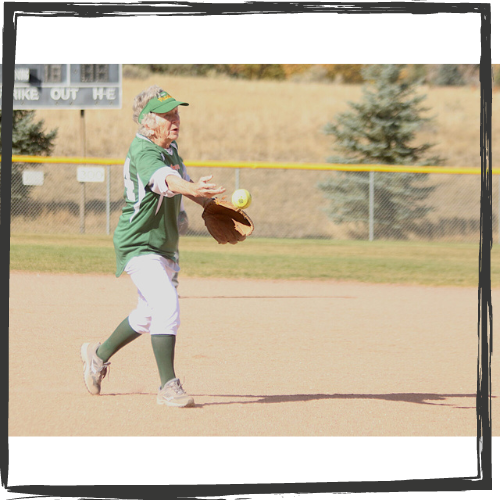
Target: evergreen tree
[(449, 74), (380, 130), (28, 138)]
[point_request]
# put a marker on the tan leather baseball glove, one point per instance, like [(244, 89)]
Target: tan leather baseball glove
[(226, 223)]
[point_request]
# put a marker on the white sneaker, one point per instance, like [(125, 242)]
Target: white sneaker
[(94, 368), (173, 394)]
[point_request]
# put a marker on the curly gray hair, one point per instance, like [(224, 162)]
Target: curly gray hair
[(149, 120)]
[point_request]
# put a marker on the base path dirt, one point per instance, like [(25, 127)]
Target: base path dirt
[(260, 358)]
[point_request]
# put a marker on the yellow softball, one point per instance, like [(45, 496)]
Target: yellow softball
[(241, 198)]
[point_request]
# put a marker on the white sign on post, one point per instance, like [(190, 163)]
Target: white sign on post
[(32, 178), (90, 174)]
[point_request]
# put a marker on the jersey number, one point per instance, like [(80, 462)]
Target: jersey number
[(129, 184)]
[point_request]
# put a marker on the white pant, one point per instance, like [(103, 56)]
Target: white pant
[(157, 311)]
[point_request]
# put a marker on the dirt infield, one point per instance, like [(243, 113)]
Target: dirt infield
[(261, 358)]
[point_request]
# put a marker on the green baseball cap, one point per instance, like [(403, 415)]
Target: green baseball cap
[(161, 104)]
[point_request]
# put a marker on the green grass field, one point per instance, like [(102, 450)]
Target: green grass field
[(430, 264)]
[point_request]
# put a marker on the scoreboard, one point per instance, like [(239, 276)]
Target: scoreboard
[(67, 86)]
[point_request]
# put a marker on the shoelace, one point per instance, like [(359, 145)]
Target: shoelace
[(177, 387), (103, 370), (106, 370)]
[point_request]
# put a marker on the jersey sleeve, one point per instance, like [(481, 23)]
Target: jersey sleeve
[(158, 182), (147, 162), (154, 165)]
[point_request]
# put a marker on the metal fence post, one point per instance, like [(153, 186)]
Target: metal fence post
[(84, 154), (108, 198), (82, 207), (236, 179), (371, 203)]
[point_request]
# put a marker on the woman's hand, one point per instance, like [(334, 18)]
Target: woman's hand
[(200, 192), (205, 189)]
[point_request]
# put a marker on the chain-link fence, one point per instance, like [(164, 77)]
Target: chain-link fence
[(50, 198)]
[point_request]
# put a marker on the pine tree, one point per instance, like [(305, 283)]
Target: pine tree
[(449, 74), (380, 130), (28, 138)]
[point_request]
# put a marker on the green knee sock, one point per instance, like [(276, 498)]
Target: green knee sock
[(122, 335), (164, 348)]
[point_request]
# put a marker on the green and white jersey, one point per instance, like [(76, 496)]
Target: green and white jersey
[(148, 223)]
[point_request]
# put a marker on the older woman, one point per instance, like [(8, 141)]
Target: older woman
[(146, 242)]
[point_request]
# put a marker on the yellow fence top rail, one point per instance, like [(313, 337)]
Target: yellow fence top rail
[(264, 165)]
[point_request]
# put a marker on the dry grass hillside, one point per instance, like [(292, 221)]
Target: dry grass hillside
[(266, 120)]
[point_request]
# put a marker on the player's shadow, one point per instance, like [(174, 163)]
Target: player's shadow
[(417, 398), (250, 399)]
